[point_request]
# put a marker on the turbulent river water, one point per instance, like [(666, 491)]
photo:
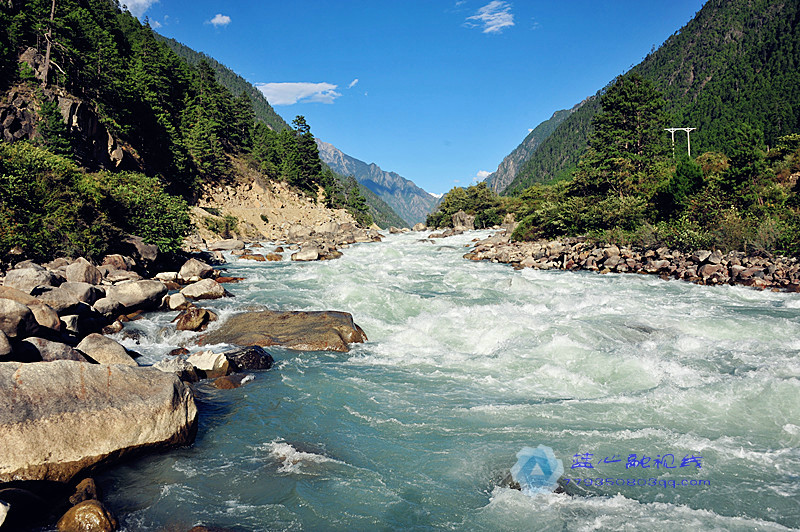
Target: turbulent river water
[(467, 363)]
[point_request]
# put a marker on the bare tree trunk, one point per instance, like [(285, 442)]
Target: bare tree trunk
[(48, 36)]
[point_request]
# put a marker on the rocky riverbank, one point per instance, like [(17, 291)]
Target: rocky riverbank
[(72, 399), (707, 267)]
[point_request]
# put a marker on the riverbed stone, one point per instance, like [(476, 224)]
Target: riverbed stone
[(44, 315), (27, 279), (60, 418), (88, 516), (16, 319), (49, 351), (226, 245), (136, 295), (212, 364), (178, 366), (194, 319), (204, 289), (303, 331), (104, 350), (252, 357), (83, 271), (194, 270), (307, 253), (86, 490)]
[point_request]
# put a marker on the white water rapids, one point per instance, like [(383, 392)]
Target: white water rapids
[(467, 363)]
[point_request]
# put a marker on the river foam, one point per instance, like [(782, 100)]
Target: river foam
[(468, 362)]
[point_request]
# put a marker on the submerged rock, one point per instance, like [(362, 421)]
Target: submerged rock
[(303, 331), (60, 418)]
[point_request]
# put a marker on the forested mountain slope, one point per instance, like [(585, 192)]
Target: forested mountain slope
[(737, 61)]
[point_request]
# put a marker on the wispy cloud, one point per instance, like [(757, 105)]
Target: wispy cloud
[(481, 176), (353, 83), (219, 20), (138, 7), (303, 92), (494, 17)]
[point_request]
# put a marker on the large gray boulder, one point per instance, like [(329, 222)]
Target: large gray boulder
[(5, 346), (194, 270), (45, 316), (16, 319), (307, 253), (82, 291), (49, 351), (137, 295), (303, 331), (60, 300), (104, 350), (463, 221), (205, 289), (59, 418), (83, 271), (226, 245), (26, 279)]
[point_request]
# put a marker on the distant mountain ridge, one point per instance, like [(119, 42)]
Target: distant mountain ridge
[(508, 169), (411, 202), (735, 62)]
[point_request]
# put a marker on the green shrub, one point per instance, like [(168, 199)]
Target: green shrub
[(224, 227)]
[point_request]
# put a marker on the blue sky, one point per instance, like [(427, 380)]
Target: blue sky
[(437, 91)]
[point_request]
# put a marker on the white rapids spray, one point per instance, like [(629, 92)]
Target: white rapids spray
[(641, 379)]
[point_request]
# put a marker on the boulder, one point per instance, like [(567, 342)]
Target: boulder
[(707, 270), (273, 257), (463, 221), (700, 255), (136, 295), (5, 346), (249, 358), (60, 300), (26, 279), (118, 262), (226, 245), (167, 276), (86, 490), (212, 364), (307, 253), (83, 271), (194, 319), (177, 302), (253, 256), (49, 351), (85, 292), (229, 382), (420, 227), (303, 331), (194, 270), (136, 248), (45, 316), (107, 306), (60, 418), (87, 516), (178, 366), (104, 350), (16, 319), (205, 289), (118, 276)]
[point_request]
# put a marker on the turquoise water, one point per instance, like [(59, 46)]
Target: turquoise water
[(466, 364)]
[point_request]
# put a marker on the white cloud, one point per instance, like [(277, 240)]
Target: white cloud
[(220, 20), (155, 24), (530, 130), (494, 17), (292, 93), (483, 174), (353, 83), (138, 7)]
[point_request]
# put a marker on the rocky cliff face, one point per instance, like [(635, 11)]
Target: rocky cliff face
[(507, 170), (411, 202), (95, 146)]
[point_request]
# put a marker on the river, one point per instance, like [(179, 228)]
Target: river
[(466, 364)]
